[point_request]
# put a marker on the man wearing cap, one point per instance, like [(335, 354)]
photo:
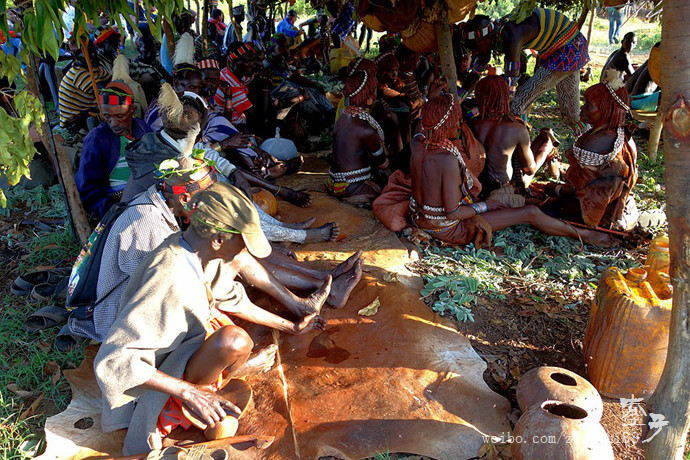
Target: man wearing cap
[(287, 25), (173, 338), (103, 170)]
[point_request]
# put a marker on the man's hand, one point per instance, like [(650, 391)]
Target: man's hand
[(494, 205), (236, 142), (206, 405), (484, 232), (313, 322), (437, 87)]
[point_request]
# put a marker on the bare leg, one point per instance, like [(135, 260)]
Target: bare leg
[(278, 260), (341, 288), (545, 224), (541, 148), (256, 275), (225, 350)]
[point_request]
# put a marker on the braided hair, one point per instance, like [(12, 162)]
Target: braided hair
[(493, 97), (441, 117)]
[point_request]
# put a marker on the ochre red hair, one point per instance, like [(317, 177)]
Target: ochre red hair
[(611, 111), (354, 81), (493, 97), (434, 111)]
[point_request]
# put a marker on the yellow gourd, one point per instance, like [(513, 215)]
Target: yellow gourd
[(627, 335)]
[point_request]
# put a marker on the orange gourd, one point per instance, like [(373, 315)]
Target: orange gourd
[(265, 200), (627, 335), (657, 265)]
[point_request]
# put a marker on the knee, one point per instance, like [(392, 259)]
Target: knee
[(532, 212), (233, 340)]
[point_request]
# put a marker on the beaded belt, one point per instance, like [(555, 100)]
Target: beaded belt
[(358, 175)]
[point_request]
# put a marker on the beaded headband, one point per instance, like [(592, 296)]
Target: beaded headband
[(355, 66), (445, 116), (201, 184), (361, 87), (112, 97), (617, 98), (483, 32)]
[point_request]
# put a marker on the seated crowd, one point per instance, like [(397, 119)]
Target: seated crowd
[(172, 171)]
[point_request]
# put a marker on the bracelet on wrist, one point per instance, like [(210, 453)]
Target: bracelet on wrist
[(477, 208)]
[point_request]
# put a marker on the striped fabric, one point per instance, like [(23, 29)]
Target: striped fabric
[(121, 172), (553, 26), (239, 100), (76, 94)]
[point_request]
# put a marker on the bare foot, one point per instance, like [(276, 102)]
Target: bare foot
[(258, 363), (344, 284), (301, 199), (328, 232), (314, 302), (598, 239), (277, 170), (301, 225), (342, 267)]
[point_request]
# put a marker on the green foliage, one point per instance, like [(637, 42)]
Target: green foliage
[(16, 147), (555, 268)]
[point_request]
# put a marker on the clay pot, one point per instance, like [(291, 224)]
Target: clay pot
[(265, 200), (555, 383), (554, 430)]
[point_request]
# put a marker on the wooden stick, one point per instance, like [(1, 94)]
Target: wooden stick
[(85, 50), (598, 229), (260, 442)]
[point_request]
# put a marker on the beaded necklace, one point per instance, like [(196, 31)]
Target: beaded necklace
[(588, 158), (358, 112)]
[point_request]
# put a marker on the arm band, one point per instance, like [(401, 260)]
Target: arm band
[(512, 66), (378, 152), (463, 93), (512, 83)]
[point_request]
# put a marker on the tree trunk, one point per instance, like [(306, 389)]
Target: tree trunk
[(204, 28), (672, 396), (444, 38), (61, 165), (591, 26)]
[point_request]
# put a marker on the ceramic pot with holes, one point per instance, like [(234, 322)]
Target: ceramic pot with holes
[(555, 383), (554, 430)]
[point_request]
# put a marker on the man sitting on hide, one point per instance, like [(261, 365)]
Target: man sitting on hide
[(103, 170), (173, 341), (358, 141), (509, 154)]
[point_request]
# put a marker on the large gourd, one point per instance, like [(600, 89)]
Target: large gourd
[(627, 335)]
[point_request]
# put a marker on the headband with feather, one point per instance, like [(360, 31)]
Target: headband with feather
[(169, 103), (613, 83)]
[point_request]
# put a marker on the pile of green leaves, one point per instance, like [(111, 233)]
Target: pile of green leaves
[(329, 82), (555, 268)]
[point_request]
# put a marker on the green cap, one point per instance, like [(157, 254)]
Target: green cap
[(228, 210)]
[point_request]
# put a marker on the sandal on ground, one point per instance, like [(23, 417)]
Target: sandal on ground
[(47, 292), (65, 340), (45, 318), (26, 282)]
